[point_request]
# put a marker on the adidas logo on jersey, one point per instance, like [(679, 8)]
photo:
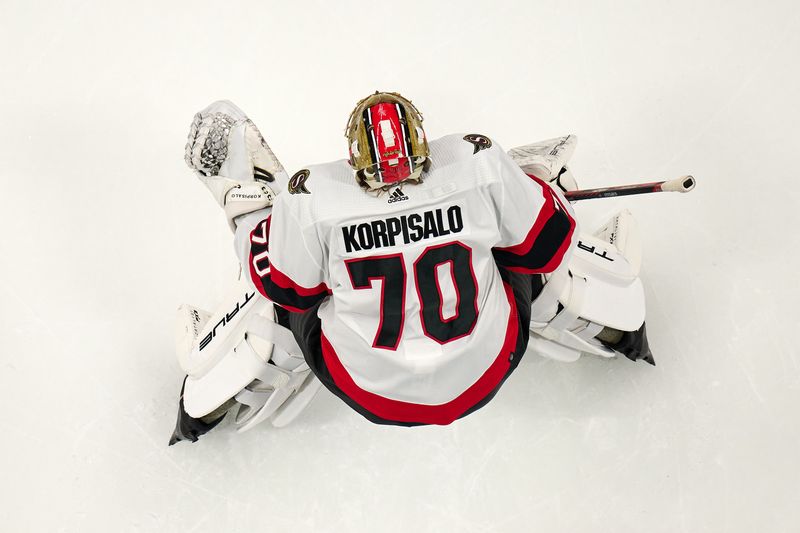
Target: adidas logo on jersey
[(397, 196)]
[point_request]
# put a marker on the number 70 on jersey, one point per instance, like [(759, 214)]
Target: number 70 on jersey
[(391, 271)]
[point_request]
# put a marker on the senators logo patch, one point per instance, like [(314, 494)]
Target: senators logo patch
[(297, 183), (481, 142)]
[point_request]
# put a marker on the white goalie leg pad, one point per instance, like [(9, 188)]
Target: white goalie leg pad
[(203, 339), (557, 329), (621, 231), (241, 352), (284, 388), (189, 322), (220, 360), (598, 288)]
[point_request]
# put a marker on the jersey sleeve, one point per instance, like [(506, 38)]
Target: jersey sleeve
[(282, 259), (537, 224)]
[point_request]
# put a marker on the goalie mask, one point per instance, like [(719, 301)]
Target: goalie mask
[(387, 143)]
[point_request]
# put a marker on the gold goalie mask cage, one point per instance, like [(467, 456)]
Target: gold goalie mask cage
[(386, 140)]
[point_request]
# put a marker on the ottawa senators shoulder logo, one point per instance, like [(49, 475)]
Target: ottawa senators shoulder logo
[(481, 142), (297, 183)]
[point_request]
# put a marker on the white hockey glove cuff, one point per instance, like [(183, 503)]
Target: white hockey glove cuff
[(245, 198), (229, 155)]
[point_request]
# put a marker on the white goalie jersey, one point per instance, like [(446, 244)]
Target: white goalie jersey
[(418, 324)]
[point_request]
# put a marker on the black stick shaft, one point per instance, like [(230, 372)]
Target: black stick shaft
[(683, 184)]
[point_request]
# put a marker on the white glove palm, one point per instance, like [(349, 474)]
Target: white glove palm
[(229, 155)]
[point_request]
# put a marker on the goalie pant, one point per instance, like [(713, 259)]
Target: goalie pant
[(307, 330)]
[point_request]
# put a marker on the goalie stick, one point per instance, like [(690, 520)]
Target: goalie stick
[(682, 184)]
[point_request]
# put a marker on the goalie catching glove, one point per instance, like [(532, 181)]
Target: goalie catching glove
[(229, 155)]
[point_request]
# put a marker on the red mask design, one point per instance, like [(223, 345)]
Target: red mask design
[(389, 141)]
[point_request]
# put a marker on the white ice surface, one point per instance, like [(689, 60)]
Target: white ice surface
[(105, 232)]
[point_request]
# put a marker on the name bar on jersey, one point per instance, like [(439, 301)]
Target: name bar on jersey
[(403, 229)]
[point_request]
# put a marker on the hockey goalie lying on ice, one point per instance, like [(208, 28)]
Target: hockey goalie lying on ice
[(408, 279)]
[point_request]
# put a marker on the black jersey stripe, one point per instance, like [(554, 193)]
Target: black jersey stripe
[(289, 298), (545, 247)]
